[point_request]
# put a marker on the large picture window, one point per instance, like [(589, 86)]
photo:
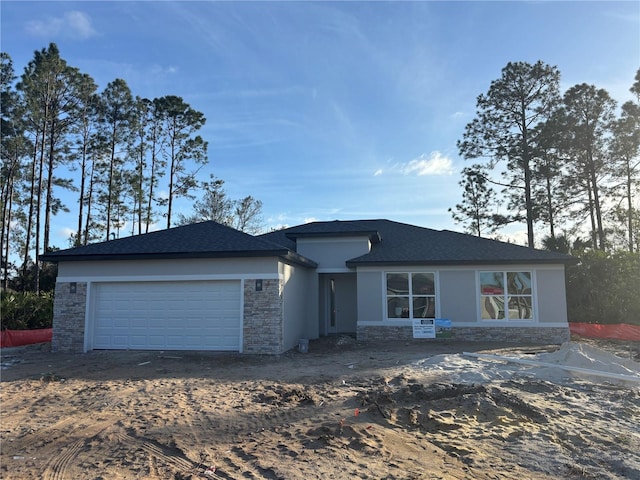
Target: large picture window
[(506, 296), (411, 295)]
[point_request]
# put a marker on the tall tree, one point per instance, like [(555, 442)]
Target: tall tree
[(214, 205), (248, 215), (505, 122), (625, 151), (84, 130), (117, 106), (139, 151), (47, 86), (14, 147), (157, 163), (548, 175), (244, 214), (588, 114), (478, 201), (185, 151)]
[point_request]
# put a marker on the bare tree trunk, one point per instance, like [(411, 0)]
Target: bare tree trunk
[(89, 201), (550, 208), (5, 280), (6, 218), (526, 161), (594, 239), (596, 203), (49, 198), (36, 274), (151, 182), (171, 177), (83, 174), (629, 206), (111, 173)]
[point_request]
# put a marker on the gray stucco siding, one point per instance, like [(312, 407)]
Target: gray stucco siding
[(300, 297), (370, 295), (331, 253), (456, 295), (167, 268), (551, 295)]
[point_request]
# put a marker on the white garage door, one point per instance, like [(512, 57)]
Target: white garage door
[(167, 315)]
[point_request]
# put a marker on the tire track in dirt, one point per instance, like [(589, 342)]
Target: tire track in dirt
[(286, 410), (244, 463), (57, 467), (189, 403), (47, 434), (161, 452)]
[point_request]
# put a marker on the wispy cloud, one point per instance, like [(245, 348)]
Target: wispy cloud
[(73, 24), (433, 164), (159, 70)]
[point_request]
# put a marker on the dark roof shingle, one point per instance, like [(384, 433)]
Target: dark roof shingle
[(393, 243), (401, 243), (199, 240)]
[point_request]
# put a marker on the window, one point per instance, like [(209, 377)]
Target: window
[(506, 296), (411, 295)]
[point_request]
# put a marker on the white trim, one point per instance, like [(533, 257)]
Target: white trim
[(513, 324), (405, 322), (470, 267), (510, 324), (241, 339), (436, 293), (534, 297), (335, 239), (169, 278), (88, 327), (335, 270)]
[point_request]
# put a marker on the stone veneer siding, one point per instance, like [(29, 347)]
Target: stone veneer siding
[(68, 318), (263, 318), (522, 335)]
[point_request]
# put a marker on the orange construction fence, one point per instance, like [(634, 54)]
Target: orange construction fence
[(16, 338), (617, 331)]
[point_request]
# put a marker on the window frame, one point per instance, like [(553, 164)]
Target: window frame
[(506, 296), (410, 295)]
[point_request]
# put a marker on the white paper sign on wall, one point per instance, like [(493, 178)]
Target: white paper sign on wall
[(424, 328)]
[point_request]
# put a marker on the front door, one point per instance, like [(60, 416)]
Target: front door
[(341, 303)]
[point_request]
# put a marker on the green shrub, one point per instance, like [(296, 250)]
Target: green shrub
[(26, 310), (604, 288)]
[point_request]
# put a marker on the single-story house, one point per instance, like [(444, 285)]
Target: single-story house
[(206, 286)]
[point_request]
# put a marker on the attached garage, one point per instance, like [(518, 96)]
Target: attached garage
[(197, 315)]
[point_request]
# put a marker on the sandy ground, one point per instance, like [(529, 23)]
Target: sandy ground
[(343, 410)]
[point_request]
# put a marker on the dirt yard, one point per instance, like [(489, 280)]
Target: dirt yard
[(343, 410)]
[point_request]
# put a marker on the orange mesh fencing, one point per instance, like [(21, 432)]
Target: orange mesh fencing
[(617, 331), (17, 338)]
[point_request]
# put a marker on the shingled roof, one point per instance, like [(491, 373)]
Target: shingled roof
[(397, 243), (393, 243), (199, 240)]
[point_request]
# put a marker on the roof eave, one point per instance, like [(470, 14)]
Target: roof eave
[(292, 257), (53, 258), (374, 236), (396, 263)]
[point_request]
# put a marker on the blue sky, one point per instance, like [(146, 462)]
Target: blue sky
[(330, 110)]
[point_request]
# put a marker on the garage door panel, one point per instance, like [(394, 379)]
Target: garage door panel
[(167, 315)]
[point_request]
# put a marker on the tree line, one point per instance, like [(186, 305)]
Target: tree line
[(126, 158), (567, 163)]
